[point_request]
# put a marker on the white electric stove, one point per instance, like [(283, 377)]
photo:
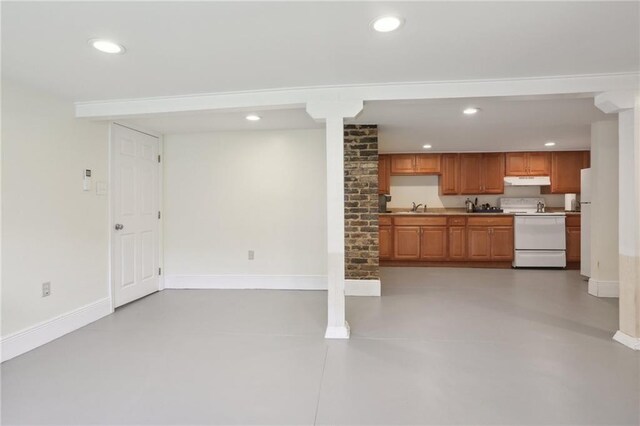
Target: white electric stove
[(539, 237)]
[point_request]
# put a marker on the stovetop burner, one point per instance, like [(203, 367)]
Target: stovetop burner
[(487, 210)]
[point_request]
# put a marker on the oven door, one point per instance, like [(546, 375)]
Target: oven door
[(540, 233)]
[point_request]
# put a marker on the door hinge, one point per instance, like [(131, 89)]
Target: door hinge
[(159, 214), (159, 271), (158, 158)]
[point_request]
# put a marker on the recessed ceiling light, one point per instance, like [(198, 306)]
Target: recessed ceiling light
[(427, 146), (550, 143), (386, 24), (106, 46), (471, 110), (253, 117)]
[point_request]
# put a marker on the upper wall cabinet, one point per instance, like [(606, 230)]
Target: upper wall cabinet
[(565, 170), (528, 164), (415, 164), (450, 177), (384, 174), (482, 173)]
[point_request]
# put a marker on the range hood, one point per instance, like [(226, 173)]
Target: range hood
[(527, 180)]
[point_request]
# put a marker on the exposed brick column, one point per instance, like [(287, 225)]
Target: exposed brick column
[(361, 201)]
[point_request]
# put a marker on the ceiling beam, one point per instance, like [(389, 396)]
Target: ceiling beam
[(299, 97)]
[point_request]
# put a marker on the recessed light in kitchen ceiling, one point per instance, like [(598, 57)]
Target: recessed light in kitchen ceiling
[(253, 117), (385, 24), (427, 146), (106, 46), (471, 110), (550, 143)]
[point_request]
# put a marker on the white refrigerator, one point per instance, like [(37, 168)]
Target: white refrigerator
[(585, 223)]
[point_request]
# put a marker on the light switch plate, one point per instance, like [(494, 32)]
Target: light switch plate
[(101, 188)]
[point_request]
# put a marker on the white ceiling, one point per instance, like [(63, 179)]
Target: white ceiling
[(219, 121), (503, 124), (177, 48)]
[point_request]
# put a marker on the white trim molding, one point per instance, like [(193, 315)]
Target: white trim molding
[(300, 96), (362, 287), (268, 282), (628, 341), (25, 340), (337, 332), (246, 282), (604, 288)]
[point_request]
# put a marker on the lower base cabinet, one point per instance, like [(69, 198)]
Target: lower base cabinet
[(573, 238), (457, 243), (406, 242), (385, 242), (479, 243), (502, 243), (442, 238), (433, 243)]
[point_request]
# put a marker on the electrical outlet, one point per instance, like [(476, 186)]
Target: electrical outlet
[(46, 289), (252, 254)]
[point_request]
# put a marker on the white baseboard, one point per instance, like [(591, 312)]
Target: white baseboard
[(338, 332), (247, 282), (625, 339), (269, 282), (362, 287), (25, 340), (604, 288)]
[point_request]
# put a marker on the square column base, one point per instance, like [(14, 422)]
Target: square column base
[(628, 341), (604, 288), (337, 332)]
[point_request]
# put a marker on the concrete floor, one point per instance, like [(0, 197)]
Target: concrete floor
[(442, 346)]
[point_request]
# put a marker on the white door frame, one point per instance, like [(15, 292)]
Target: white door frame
[(111, 204)]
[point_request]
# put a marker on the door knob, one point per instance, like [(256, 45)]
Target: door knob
[(119, 226)]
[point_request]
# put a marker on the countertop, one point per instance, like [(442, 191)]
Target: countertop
[(462, 211)]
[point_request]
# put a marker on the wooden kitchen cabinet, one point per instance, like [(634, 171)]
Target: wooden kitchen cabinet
[(433, 244), (482, 173), (406, 242), (415, 164), (490, 238), (384, 174), (470, 173), (539, 163), (441, 239), (457, 242), (428, 164), (501, 243), (527, 164), (450, 177), (385, 241), (573, 238), (565, 171), (403, 164), (493, 173), (478, 243)]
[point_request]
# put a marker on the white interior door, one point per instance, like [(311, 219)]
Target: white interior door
[(136, 225)]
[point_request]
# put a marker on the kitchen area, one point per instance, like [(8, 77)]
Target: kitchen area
[(485, 209)]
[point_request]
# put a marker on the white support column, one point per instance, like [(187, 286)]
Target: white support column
[(603, 281), (334, 113), (627, 105)]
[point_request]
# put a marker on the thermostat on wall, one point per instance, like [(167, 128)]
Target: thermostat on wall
[(86, 180)]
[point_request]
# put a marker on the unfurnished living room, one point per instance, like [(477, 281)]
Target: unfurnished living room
[(320, 213)]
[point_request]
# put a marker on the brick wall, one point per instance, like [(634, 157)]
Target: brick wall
[(361, 201)]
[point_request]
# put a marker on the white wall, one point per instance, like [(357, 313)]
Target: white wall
[(604, 204), (230, 192), (424, 189), (51, 229)]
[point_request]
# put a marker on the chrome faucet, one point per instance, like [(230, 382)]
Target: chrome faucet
[(415, 207)]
